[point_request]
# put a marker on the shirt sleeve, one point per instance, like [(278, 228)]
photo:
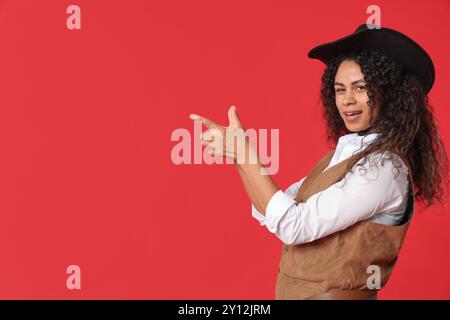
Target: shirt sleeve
[(365, 191), (291, 192)]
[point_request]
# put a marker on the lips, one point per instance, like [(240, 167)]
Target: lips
[(352, 113)]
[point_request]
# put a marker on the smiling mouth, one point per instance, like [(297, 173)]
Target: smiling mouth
[(352, 114)]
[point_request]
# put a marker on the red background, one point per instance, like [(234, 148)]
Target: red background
[(86, 116)]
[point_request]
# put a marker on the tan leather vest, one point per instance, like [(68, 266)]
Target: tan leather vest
[(342, 260)]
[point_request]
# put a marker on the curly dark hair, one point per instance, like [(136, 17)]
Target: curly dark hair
[(405, 121)]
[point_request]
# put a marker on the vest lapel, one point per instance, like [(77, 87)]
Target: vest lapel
[(318, 169), (318, 180)]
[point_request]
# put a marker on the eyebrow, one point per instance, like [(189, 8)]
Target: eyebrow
[(354, 82)]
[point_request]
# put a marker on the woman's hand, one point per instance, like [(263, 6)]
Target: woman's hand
[(232, 142), (228, 141)]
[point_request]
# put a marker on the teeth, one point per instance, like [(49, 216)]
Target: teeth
[(352, 113)]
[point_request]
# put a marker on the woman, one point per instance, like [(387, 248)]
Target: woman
[(343, 226)]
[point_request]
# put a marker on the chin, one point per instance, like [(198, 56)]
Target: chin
[(356, 128), (356, 125)]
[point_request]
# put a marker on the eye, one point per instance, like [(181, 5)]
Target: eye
[(359, 89), (339, 90)]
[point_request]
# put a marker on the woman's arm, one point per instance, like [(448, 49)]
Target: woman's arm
[(360, 195), (326, 212), (249, 190), (259, 186)]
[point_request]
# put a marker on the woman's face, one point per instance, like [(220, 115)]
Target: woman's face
[(351, 97)]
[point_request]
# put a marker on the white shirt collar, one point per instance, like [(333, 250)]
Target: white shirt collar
[(355, 138), (349, 144)]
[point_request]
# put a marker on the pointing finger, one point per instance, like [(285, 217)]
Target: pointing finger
[(208, 123)]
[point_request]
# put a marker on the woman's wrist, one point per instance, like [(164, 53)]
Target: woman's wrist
[(250, 156)]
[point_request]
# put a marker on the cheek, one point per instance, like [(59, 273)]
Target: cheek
[(338, 101), (365, 100)]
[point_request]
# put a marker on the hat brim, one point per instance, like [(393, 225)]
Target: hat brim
[(388, 41)]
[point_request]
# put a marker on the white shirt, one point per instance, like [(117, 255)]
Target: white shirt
[(377, 193)]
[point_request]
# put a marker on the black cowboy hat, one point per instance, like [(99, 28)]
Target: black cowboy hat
[(388, 41)]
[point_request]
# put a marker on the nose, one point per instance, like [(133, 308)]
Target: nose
[(349, 98)]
